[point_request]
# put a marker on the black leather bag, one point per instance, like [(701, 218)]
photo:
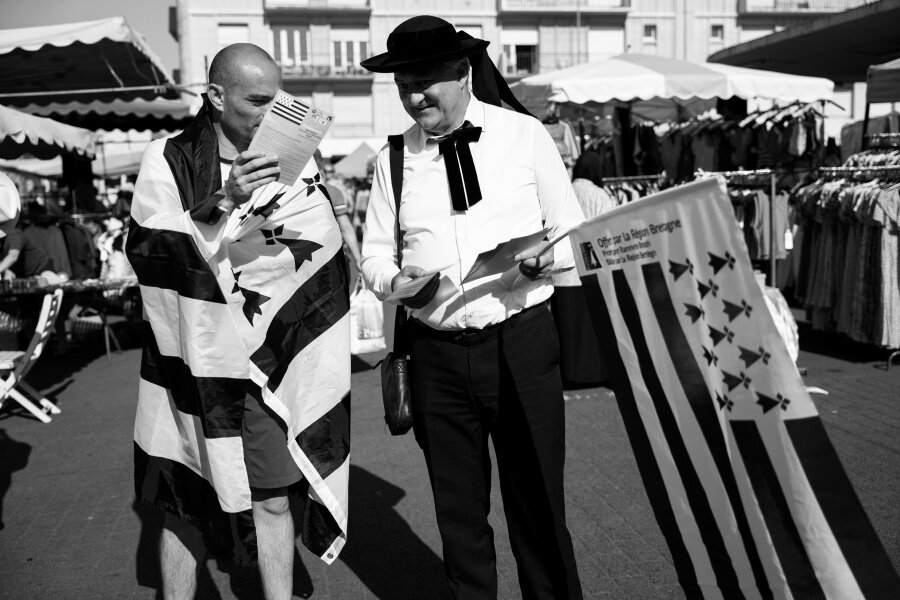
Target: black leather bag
[(395, 388)]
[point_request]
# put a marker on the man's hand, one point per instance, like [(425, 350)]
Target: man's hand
[(533, 266), (424, 295), (251, 169)]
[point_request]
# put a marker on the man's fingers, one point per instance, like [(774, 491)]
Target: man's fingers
[(260, 174), (255, 164), (247, 156)]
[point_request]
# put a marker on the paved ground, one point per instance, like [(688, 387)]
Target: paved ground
[(72, 532)]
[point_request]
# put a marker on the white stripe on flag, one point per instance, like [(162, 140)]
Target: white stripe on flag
[(211, 350), (161, 430), (315, 371)]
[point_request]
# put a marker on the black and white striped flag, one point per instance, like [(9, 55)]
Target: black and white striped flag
[(261, 298), (743, 480)]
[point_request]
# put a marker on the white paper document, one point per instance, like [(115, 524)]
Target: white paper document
[(412, 287), (292, 131), (502, 258)]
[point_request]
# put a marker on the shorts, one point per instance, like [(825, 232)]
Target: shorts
[(269, 464)]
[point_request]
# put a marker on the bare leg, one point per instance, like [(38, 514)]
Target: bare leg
[(275, 540), (180, 550)]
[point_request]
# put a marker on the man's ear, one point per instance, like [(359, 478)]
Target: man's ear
[(216, 95)]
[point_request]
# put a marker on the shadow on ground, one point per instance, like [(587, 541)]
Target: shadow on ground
[(841, 347), (383, 551), (13, 457)]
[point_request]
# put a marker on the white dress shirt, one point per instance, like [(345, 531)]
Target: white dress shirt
[(525, 187)]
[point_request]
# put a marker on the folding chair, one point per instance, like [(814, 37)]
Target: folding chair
[(15, 364)]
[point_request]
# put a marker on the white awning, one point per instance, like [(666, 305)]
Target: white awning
[(633, 77), (23, 134)]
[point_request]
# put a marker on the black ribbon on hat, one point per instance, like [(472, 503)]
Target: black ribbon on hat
[(461, 174)]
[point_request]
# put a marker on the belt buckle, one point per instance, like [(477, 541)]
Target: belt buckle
[(467, 338)]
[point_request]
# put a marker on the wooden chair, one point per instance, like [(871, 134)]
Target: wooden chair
[(15, 364)]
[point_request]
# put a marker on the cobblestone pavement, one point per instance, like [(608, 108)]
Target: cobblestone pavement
[(71, 530)]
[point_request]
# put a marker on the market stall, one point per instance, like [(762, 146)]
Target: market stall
[(96, 74), (664, 89)]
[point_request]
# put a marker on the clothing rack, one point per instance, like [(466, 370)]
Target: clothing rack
[(634, 178), (873, 170), (894, 169), (747, 178), (876, 141)]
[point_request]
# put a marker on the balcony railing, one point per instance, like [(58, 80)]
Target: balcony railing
[(324, 71), (798, 6), (317, 4), (564, 5)]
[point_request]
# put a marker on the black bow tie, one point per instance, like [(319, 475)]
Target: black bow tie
[(461, 174)]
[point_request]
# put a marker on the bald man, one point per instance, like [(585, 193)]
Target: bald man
[(187, 187)]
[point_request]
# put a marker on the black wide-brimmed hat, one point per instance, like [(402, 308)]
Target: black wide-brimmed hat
[(422, 40)]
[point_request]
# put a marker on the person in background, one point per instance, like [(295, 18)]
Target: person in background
[(580, 361), (484, 355), (341, 206)]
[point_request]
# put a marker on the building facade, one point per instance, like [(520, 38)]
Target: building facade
[(319, 43)]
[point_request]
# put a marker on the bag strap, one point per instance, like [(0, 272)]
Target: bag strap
[(401, 345)]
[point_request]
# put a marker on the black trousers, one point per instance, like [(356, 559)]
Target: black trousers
[(502, 383)]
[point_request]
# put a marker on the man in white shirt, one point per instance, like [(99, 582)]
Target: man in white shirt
[(484, 355)]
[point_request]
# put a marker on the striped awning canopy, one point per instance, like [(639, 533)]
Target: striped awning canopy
[(639, 78), (96, 74), (27, 135)]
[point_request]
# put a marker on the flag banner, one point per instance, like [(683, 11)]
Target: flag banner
[(745, 485), (255, 301)]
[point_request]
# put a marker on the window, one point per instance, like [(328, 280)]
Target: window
[(291, 46), (349, 47), (520, 51), (650, 34), (717, 34), (519, 60)]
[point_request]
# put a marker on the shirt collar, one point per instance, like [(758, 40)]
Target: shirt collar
[(474, 115)]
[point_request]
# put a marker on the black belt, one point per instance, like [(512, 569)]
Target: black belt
[(471, 336)]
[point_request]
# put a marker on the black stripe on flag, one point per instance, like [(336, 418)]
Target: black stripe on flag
[(702, 404), (217, 401), (795, 563), (719, 558), (290, 113), (177, 489), (317, 305), (637, 435), (171, 260), (846, 517), (326, 443), (318, 528)]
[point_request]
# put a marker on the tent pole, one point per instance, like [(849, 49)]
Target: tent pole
[(113, 90), (581, 130), (865, 126)]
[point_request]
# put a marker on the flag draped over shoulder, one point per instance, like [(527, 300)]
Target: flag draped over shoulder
[(743, 480), (259, 298)]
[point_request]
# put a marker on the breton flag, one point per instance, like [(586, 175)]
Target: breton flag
[(743, 481), (261, 301), (290, 108)]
